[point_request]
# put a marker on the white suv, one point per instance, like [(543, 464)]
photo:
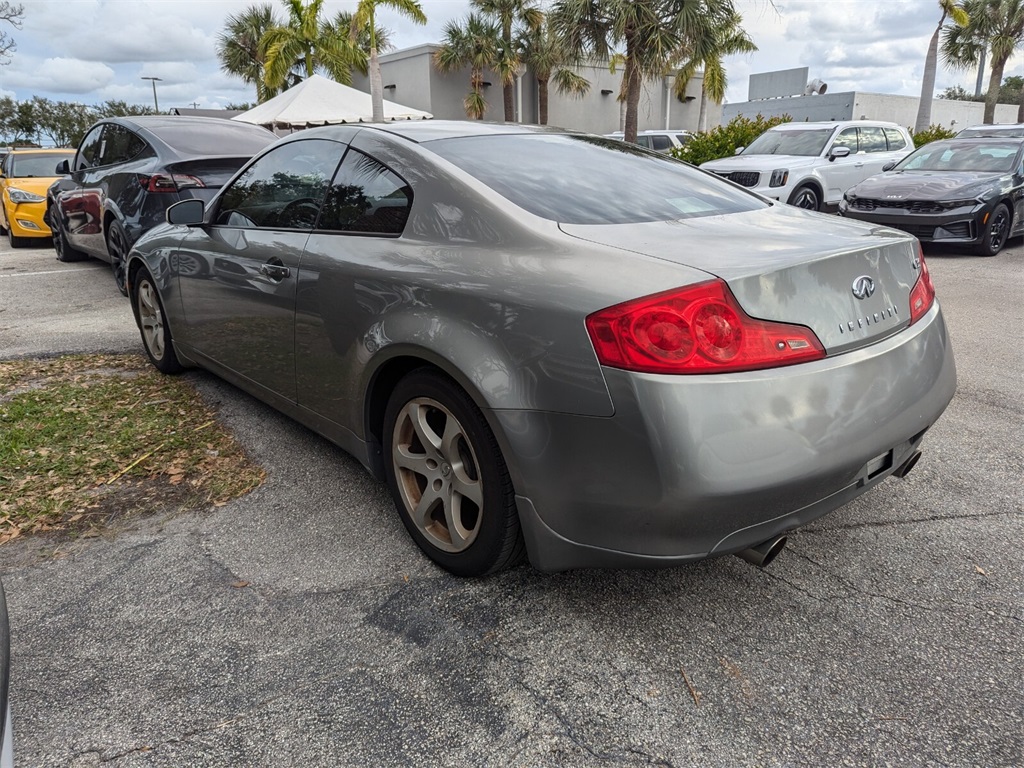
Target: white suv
[(659, 141), (811, 165)]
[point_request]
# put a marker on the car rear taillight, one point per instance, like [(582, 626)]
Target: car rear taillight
[(697, 329), (169, 182), (923, 294)]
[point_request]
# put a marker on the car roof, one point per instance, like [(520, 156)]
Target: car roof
[(431, 130), (835, 124), (37, 150)]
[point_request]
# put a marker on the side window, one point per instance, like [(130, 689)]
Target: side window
[(119, 145), (661, 143), (89, 150), (895, 139), (644, 141), (366, 197), (872, 139), (284, 189), (847, 138), (682, 138)]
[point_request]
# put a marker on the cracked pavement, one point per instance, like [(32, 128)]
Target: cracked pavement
[(887, 633)]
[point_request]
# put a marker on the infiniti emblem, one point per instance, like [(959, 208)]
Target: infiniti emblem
[(863, 287)]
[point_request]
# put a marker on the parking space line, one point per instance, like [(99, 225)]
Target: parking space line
[(50, 272)]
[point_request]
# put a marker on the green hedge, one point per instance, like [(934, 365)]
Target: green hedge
[(932, 133)]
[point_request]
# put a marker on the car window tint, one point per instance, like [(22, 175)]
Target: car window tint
[(848, 138), (644, 141), (661, 142), (89, 149), (895, 139), (283, 189), (682, 138), (366, 197), (120, 145), (578, 179), (872, 140)]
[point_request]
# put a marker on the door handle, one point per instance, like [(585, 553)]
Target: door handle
[(275, 271)]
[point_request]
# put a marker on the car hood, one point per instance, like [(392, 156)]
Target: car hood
[(926, 185), (34, 184), (760, 162), (788, 265)]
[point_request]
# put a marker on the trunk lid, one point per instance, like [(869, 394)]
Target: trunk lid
[(790, 266)]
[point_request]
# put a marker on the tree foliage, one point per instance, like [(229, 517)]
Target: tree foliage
[(60, 123), (13, 14)]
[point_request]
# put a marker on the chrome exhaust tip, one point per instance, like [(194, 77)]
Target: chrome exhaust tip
[(764, 552), (904, 469)]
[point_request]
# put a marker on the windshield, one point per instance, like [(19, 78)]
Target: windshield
[(967, 156), (809, 142), (43, 164), (591, 180)]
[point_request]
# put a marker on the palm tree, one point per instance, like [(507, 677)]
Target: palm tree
[(651, 34), (954, 10), (1001, 24), (304, 38), (239, 50), (473, 44), (543, 54), (508, 14), (363, 21), (715, 35)]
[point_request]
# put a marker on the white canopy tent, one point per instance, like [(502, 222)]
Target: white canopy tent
[(320, 101)]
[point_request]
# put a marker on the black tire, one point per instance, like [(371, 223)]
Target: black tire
[(63, 249), (805, 196), (997, 232), (16, 242), (152, 322), (117, 249), (462, 461)]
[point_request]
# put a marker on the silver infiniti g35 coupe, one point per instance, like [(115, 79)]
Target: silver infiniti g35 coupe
[(552, 344)]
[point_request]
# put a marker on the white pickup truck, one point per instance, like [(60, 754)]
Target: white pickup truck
[(811, 165)]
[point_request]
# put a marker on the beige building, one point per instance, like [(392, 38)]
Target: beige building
[(410, 78)]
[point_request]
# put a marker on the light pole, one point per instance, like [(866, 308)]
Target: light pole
[(156, 104)]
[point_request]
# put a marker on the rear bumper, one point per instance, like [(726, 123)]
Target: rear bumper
[(696, 466)]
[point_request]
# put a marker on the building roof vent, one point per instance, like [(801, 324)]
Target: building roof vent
[(815, 87)]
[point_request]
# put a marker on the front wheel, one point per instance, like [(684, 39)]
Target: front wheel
[(156, 334), (62, 247), (117, 249), (448, 478), (997, 232), (806, 197)]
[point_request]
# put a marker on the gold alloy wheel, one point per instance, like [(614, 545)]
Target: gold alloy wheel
[(438, 475)]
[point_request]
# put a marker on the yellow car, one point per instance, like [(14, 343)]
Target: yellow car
[(25, 175)]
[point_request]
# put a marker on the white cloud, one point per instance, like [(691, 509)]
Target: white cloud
[(60, 75)]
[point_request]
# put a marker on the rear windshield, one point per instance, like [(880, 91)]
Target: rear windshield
[(991, 132), (43, 164), (809, 142), (968, 156), (229, 139), (591, 180)]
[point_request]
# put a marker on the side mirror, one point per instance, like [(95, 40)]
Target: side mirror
[(889, 166), (739, 150), (63, 168), (838, 152), (186, 212)]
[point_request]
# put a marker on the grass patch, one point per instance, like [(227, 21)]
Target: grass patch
[(87, 439)]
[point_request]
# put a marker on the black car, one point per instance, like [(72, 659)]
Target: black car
[(956, 191), (128, 170)]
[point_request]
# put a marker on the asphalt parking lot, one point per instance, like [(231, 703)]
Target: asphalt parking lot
[(888, 633)]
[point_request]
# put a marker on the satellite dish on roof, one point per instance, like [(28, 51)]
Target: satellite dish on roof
[(814, 87)]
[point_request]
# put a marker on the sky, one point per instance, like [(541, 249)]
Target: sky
[(91, 51)]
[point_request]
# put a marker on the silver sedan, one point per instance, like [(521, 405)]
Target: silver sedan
[(555, 345)]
